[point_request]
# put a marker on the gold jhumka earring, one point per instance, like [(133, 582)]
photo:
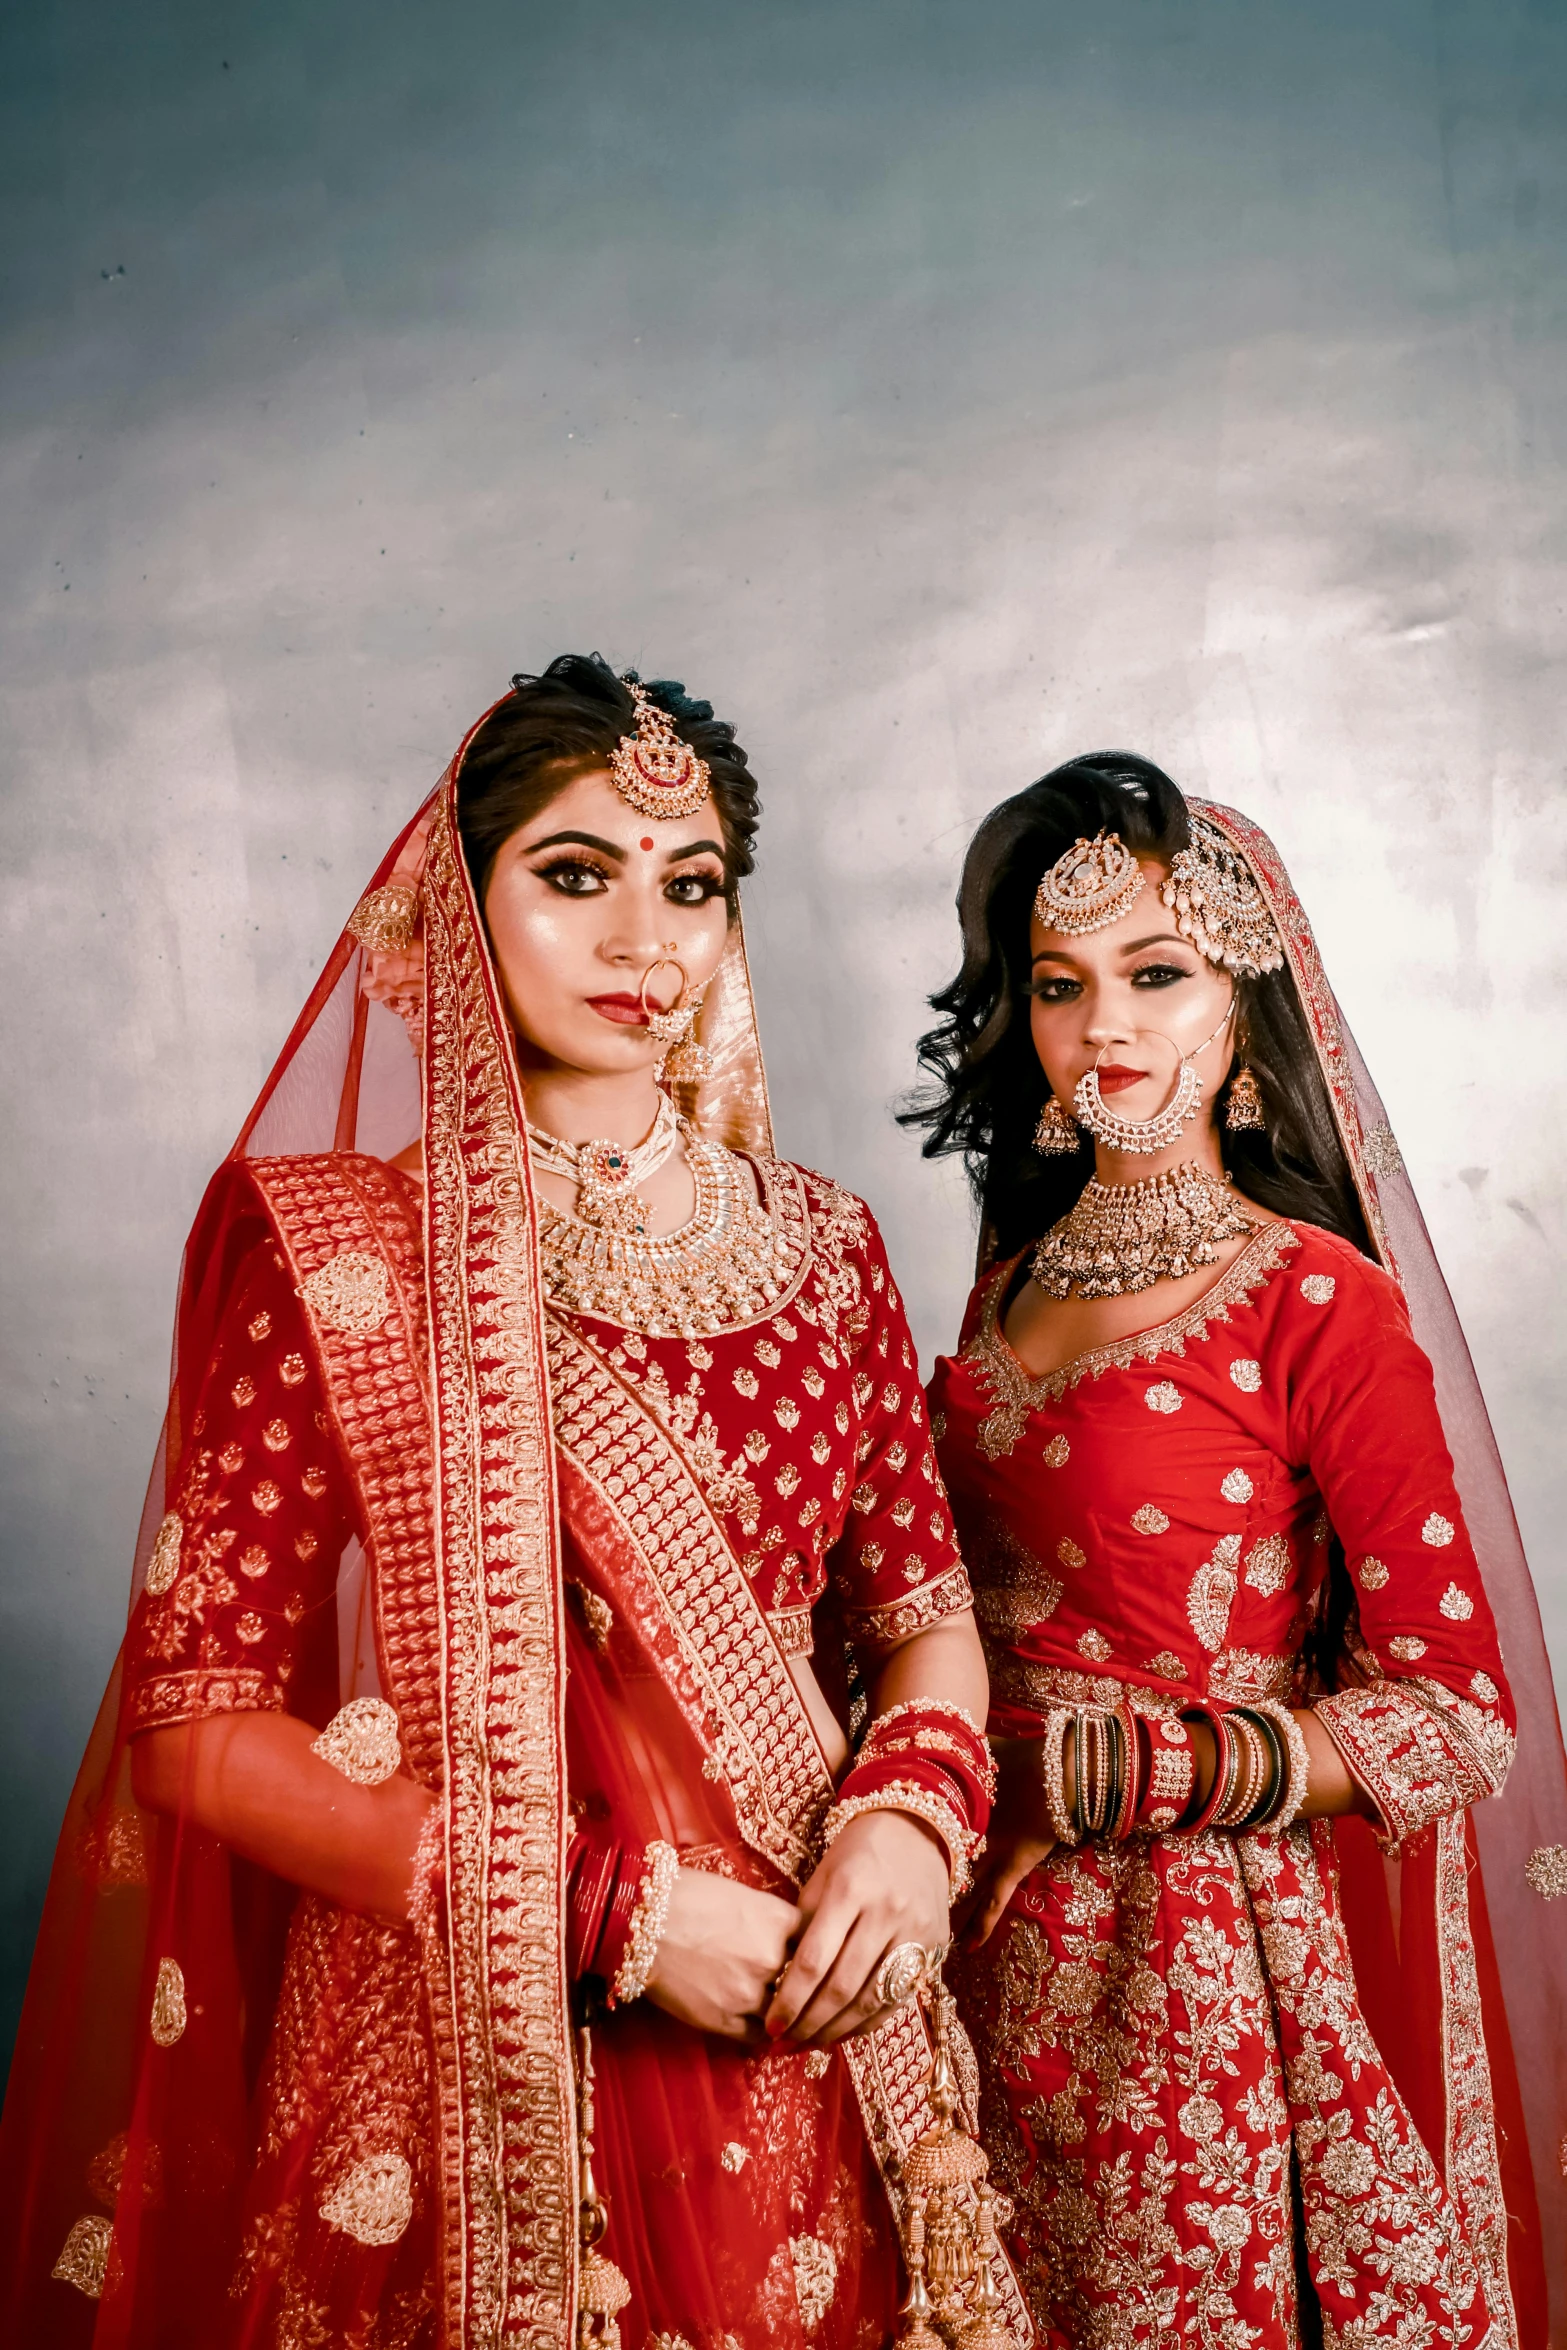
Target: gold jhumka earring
[(950, 2211), (1243, 1112), (602, 2288), (1058, 1134)]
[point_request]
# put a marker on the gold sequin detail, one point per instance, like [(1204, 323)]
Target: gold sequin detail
[(277, 1436), (1372, 1574), (1057, 1453), (1484, 1688), (314, 1482), (1456, 1604), (1237, 1486), (164, 1564), (1406, 1647), (1268, 1565), (294, 1370), (1069, 1554), (243, 1392), (250, 1628), (1162, 1397), (1317, 1289), (1246, 1375), (1437, 1532), (1093, 1644), (168, 2003), (747, 1382), (786, 1412), (232, 1457), (732, 2157), (261, 1328), (1150, 1520), (266, 1497)]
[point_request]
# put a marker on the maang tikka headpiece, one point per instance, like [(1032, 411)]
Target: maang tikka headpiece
[(1213, 894), (1091, 884), (654, 769)]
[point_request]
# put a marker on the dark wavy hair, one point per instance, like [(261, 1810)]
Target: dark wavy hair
[(988, 1086), (564, 723)]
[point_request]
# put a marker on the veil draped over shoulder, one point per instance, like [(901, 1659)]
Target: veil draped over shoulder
[(1460, 1948), (126, 2140)]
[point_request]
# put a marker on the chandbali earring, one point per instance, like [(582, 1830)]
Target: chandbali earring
[(1243, 1112), (1058, 1134), (684, 1062)]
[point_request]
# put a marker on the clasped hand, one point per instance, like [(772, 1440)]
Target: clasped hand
[(724, 1947)]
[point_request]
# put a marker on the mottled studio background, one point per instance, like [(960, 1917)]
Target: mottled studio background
[(942, 385)]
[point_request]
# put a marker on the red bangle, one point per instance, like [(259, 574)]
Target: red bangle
[(1223, 1754), (1169, 1774)]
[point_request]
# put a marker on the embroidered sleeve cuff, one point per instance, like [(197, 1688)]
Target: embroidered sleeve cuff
[(1419, 1751), (166, 1698), (648, 1920), (900, 1619)]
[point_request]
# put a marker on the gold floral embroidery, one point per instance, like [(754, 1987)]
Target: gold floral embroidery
[(1150, 1520), (1242, 1675), (1407, 1647), (1437, 1532), (1484, 1688), (1017, 1393), (1093, 1643), (164, 1564), (732, 2157), (277, 1436), (261, 1328), (207, 1689), (1372, 1574), (294, 1370), (815, 2278), (1057, 1453), (1546, 1870), (243, 1392), (1268, 1565), (900, 1619), (1456, 1604), (1247, 1375), (351, 1292), (1317, 1289), (168, 2003), (1236, 1486), (1069, 1554), (266, 1497), (1419, 1751)]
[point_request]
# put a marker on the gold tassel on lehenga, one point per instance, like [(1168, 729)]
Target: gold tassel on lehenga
[(602, 2290), (949, 2220)]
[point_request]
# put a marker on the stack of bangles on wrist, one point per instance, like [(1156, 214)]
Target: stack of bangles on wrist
[(1131, 1771), (930, 1759)]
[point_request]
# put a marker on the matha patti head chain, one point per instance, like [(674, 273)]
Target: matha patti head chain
[(657, 772)]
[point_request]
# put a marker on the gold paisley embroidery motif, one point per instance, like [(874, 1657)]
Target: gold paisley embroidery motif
[(1546, 1870), (374, 2203), (164, 1564), (1211, 1593), (168, 2003), (351, 1292), (361, 1741)]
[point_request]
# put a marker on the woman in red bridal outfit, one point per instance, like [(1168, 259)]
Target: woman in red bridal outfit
[(469, 1924), (1272, 2025)]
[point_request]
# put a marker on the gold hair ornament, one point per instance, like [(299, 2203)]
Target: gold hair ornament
[(654, 769), (385, 919), (1213, 894), (1092, 884)]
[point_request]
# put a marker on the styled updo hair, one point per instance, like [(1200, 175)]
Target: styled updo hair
[(989, 1088), (565, 723)]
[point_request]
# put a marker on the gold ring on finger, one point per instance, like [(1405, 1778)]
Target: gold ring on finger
[(901, 1974)]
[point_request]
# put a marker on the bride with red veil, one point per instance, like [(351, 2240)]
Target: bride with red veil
[(470, 1925)]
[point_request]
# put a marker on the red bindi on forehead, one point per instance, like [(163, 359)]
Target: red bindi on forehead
[(647, 844)]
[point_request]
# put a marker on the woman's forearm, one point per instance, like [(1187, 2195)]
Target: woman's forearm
[(252, 1780), (946, 1661)]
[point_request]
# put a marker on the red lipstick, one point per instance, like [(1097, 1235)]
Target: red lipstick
[(1113, 1078), (624, 1010)]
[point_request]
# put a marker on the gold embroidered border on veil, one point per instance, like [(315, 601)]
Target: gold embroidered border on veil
[(1529, 1819)]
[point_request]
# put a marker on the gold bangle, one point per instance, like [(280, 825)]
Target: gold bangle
[(648, 1921)]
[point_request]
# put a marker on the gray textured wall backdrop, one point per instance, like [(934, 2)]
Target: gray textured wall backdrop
[(941, 388)]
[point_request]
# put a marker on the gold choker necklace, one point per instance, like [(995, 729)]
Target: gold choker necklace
[(1122, 1237)]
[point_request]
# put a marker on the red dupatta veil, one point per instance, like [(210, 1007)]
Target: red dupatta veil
[(127, 2140), (1460, 1957)]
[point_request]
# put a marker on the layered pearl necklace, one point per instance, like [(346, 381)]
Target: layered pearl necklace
[(1119, 1238)]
